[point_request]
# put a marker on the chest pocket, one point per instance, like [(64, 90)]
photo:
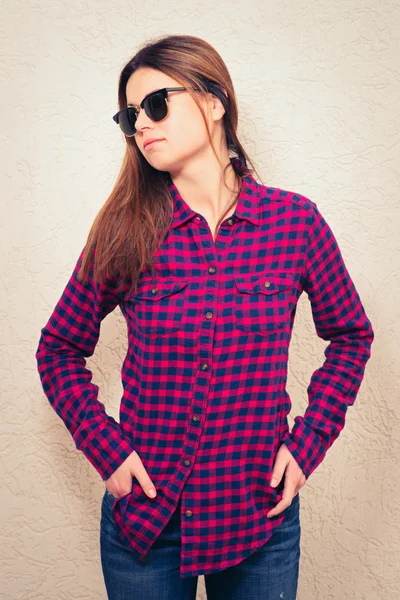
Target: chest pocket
[(262, 302), (160, 307)]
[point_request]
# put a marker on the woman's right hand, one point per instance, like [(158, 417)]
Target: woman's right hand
[(120, 482)]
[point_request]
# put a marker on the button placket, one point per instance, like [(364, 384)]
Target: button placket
[(206, 335), (198, 404)]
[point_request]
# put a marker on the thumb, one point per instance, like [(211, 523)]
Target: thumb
[(141, 474), (151, 490), (145, 483), (147, 486), (281, 462), (277, 473)]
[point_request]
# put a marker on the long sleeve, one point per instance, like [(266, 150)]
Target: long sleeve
[(339, 317), (70, 335)]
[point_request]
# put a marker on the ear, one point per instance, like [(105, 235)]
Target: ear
[(217, 106), (216, 99)]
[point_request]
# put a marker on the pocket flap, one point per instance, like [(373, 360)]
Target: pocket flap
[(267, 283), (160, 289)]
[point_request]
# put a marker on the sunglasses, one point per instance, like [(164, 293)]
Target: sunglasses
[(155, 106)]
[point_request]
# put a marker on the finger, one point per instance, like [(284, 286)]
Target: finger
[(287, 497), (147, 486), (119, 487), (281, 462), (277, 509), (144, 481)]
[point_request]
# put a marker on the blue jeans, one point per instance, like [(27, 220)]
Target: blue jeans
[(270, 573)]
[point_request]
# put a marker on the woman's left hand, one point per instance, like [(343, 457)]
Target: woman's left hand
[(286, 464)]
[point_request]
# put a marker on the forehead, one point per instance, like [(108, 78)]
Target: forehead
[(144, 81)]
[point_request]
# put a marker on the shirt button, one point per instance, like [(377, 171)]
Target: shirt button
[(154, 291), (211, 269), (204, 367), (267, 283), (188, 513), (208, 315), (196, 418), (230, 221), (198, 218), (186, 462)]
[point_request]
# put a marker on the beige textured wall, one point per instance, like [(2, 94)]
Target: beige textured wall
[(318, 85)]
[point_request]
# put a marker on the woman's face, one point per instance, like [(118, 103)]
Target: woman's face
[(183, 131)]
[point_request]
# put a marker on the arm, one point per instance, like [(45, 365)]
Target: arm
[(339, 317), (70, 335)]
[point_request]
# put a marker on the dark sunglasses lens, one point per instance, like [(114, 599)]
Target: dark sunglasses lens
[(127, 120), (155, 106)]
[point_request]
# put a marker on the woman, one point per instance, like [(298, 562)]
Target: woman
[(206, 265)]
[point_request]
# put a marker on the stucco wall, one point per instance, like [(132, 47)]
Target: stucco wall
[(318, 85)]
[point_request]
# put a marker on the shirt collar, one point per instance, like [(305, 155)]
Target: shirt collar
[(247, 207)]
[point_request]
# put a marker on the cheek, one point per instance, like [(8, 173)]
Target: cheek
[(187, 132), (186, 135)]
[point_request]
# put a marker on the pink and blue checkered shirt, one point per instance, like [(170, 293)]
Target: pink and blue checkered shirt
[(204, 380)]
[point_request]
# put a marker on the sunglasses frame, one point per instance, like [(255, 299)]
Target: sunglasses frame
[(137, 107)]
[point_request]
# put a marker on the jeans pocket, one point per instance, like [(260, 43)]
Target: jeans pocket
[(292, 511)]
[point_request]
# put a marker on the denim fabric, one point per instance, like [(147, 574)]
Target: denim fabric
[(270, 573)]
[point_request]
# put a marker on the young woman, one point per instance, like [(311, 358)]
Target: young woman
[(207, 266)]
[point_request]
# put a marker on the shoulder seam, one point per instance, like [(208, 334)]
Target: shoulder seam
[(289, 196)]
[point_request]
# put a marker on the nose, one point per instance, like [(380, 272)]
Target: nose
[(142, 119)]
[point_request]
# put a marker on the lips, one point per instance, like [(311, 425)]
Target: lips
[(153, 143)]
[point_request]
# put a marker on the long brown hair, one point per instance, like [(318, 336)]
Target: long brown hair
[(137, 214)]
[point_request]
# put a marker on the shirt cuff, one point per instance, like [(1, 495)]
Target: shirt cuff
[(104, 446), (305, 446)]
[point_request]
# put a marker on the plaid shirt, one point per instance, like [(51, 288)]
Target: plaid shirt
[(204, 401)]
